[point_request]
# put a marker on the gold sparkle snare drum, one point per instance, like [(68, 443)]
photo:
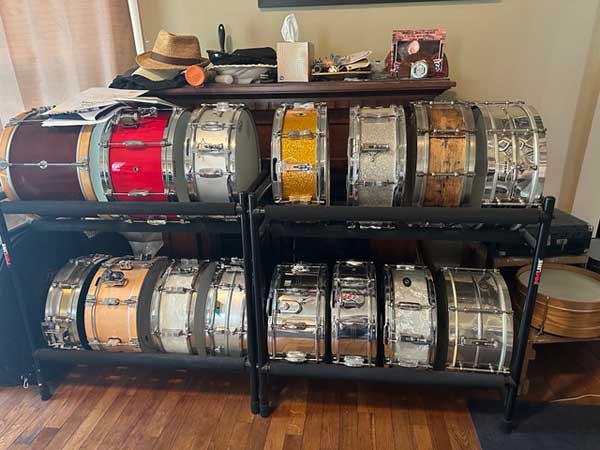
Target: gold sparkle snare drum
[(118, 302), (300, 154)]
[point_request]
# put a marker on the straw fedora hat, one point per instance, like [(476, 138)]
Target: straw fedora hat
[(172, 52)]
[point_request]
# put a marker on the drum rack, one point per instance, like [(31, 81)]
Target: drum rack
[(270, 222), (62, 216)]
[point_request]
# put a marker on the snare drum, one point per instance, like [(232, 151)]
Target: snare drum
[(376, 156), (141, 155), (300, 154), (297, 303), (222, 153), (513, 138), (177, 309), (44, 163), (410, 334), (480, 333), (445, 158), (225, 317), (354, 314), (116, 303), (63, 324)]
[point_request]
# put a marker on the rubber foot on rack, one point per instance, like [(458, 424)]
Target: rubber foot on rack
[(265, 410), (45, 394), (507, 426), (255, 407)]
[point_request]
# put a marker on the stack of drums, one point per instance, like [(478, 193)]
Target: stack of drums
[(124, 304)]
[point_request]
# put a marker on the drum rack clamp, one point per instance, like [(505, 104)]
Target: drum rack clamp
[(269, 223), (62, 216)]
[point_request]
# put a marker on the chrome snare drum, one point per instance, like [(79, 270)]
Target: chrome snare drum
[(480, 332), (297, 303), (300, 154), (222, 156), (225, 316), (410, 333), (354, 314), (376, 156), (63, 322), (177, 307), (445, 154), (512, 137)]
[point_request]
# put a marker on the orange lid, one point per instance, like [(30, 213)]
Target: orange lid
[(195, 75)]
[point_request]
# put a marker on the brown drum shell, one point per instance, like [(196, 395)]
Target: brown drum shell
[(563, 317), (29, 142)]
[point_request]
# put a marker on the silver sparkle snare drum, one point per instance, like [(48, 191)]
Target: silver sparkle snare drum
[(297, 303), (480, 334), (63, 318), (222, 156), (354, 314), (225, 317), (177, 307), (410, 334), (376, 156), (513, 138)]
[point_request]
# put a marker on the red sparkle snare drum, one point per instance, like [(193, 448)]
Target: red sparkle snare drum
[(141, 155)]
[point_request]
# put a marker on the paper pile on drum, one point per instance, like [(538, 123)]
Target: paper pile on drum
[(123, 304), (460, 321)]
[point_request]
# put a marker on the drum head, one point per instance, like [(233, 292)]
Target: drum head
[(567, 285), (203, 285), (247, 153), (145, 304)]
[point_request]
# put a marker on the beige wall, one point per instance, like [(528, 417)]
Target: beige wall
[(534, 50)]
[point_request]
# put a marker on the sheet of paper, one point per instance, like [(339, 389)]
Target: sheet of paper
[(94, 98), (56, 122)]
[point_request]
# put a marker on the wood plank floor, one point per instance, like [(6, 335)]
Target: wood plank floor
[(146, 409)]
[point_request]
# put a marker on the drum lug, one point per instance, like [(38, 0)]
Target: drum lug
[(210, 173), (176, 290), (138, 194), (353, 361), (411, 306), (110, 301), (131, 301), (417, 340), (294, 326), (90, 301), (156, 222), (3, 163), (289, 307), (296, 357), (465, 341)]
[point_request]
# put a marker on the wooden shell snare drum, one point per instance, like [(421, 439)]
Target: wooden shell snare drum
[(44, 163), (410, 335), (300, 154), (225, 316), (444, 154), (297, 303), (480, 336), (141, 155), (567, 303), (177, 310), (118, 302), (63, 323), (512, 137), (376, 156), (354, 314), (222, 153)]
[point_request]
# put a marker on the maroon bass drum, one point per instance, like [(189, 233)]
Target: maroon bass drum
[(44, 163)]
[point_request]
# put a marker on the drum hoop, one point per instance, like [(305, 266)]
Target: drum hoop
[(456, 323), (83, 154), (504, 305), (536, 154), (276, 163), (470, 162), (190, 155), (167, 154), (322, 142), (104, 160), (422, 153), (232, 137), (156, 302)]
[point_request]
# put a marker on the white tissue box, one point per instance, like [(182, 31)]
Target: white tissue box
[(294, 61)]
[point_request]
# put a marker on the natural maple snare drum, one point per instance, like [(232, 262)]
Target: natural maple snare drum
[(297, 303), (300, 154), (141, 155), (225, 315), (63, 318), (118, 301), (567, 303), (376, 156), (480, 332), (177, 309), (410, 335), (44, 163), (445, 154), (512, 137), (354, 314), (222, 155)]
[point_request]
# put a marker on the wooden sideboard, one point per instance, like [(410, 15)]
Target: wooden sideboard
[(263, 99)]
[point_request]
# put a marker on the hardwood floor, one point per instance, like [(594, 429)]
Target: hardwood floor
[(147, 409)]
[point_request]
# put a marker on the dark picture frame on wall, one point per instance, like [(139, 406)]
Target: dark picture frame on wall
[(284, 3)]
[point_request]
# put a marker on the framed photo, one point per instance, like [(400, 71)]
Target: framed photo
[(422, 50), (285, 3)]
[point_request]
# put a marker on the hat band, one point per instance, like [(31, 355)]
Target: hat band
[(173, 59)]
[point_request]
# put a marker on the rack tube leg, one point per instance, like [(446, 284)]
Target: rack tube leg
[(528, 306), (261, 335), (20, 295), (251, 317)]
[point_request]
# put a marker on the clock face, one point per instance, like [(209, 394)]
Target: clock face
[(418, 69)]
